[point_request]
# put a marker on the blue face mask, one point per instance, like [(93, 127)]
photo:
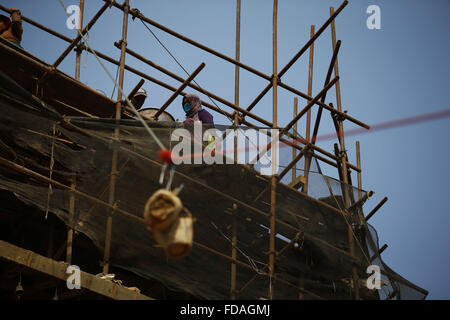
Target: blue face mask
[(186, 107)]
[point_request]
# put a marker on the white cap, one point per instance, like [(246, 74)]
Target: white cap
[(141, 92)]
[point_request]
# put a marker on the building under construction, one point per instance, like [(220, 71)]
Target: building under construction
[(78, 168)]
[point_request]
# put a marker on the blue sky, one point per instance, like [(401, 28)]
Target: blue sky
[(400, 71)]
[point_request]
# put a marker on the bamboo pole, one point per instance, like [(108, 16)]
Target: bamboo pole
[(310, 81), (112, 186), (71, 221), (236, 123), (344, 168), (308, 115), (272, 249), (294, 150), (359, 177), (80, 28), (378, 206), (73, 184), (327, 79), (384, 247)]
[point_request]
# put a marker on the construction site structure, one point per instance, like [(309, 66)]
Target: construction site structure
[(77, 168)]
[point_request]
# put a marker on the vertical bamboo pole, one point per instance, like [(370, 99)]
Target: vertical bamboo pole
[(359, 175), (71, 222), (78, 56), (112, 185), (308, 138), (274, 160), (343, 161), (308, 118), (236, 123), (73, 184), (294, 150), (294, 176)]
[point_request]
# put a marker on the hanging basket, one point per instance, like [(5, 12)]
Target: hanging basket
[(162, 210), (177, 240)]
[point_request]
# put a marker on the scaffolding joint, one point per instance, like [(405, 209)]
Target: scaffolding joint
[(80, 47), (134, 13), (111, 3), (120, 42)]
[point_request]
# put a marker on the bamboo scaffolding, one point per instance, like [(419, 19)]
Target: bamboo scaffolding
[(337, 115), (137, 14), (210, 106)]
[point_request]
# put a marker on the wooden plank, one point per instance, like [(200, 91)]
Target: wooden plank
[(57, 269)]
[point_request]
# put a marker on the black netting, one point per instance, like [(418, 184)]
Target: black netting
[(219, 196)]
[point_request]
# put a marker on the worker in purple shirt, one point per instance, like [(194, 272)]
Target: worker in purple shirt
[(194, 111)]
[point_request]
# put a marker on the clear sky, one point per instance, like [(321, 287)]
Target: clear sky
[(399, 71)]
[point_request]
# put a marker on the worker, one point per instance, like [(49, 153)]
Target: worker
[(193, 108), (12, 30), (139, 98)]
